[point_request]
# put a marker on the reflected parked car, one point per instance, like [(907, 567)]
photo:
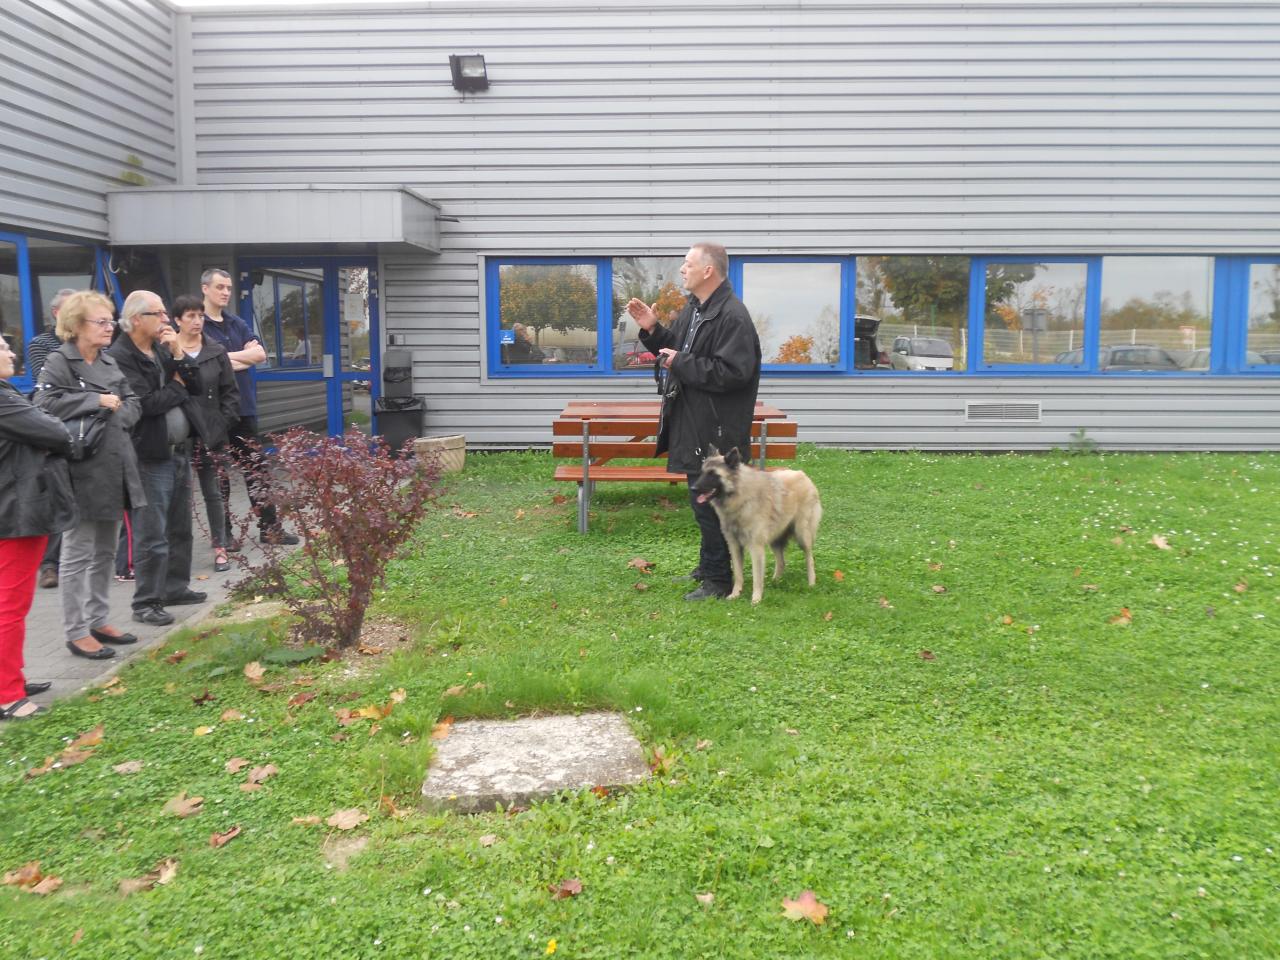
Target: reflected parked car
[(1199, 359), (867, 354), (1127, 356), (921, 353)]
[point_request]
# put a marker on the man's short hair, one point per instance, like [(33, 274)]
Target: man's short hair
[(715, 255), (206, 278), (134, 304), (74, 310), (187, 303), (56, 303)]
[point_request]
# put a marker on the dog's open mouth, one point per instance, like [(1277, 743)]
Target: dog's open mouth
[(706, 497)]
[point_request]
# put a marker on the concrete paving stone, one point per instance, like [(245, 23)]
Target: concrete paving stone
[(486, 762)]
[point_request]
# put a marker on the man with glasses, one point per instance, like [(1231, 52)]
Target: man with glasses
[(38, 351), (710, 373), (245, 351), (163, 378)]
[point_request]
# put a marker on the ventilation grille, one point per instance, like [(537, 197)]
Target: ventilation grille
[(997, 411)]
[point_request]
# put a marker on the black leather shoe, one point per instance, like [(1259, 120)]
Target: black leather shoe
[(40, 686), (709, 590), (120, 639), (156, 616), (279, 538), (102, 653), (186, 597)]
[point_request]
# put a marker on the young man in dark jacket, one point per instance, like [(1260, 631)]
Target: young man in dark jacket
[(710, 369), (148, 355)]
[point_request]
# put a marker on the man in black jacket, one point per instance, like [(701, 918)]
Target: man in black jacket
[(163, 379), (710, 372)]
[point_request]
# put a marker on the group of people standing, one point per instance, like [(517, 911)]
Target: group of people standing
[(122, 412)]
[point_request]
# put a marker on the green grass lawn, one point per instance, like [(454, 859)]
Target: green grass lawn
[(1073, 750)]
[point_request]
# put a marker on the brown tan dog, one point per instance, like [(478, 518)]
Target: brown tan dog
[(758, 507)]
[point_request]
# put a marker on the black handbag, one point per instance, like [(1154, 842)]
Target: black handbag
[(87, 433)]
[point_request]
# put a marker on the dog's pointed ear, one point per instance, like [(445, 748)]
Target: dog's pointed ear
[(712, 451), (732, 458)]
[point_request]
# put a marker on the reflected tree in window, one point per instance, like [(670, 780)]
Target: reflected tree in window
[(548, 297)]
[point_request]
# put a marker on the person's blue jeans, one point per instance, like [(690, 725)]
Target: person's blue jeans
[(162, 529), (713, 555)]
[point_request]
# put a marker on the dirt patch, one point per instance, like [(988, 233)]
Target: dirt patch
[(338, 851)]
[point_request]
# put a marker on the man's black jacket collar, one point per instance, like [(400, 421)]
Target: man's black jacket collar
[(710, 309)]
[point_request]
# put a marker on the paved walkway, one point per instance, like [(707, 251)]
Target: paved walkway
[(46, 654)]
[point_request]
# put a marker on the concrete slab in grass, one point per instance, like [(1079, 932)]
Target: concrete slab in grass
[(487, 762)]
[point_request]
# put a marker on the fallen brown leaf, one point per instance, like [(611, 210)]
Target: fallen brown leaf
[(457, 690), (311, 821), (263, 773), (641, 586), (388, 804), (805, 907), (488, 839), (235, 764), (130, 766), (231, 715), (70, 757), (838, 575), (706, 899), (369, 650), (565, 889), (176, 657), (217, 840), (702, 744), (828, 616), (163, 872), (1241, 587), (202, 731), (1123, 618), (41, 770), (885, 604), (46, 886), (641, 564), (938, 588), (254, 671), (442, 729), (927, 655), (398, 696), (27, 875), (1160, 542), (298, 699), (347, 819), (77, 936), (205, 697), (183, 806), (90, 738)]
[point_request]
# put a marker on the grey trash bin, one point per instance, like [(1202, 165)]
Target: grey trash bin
[(399, 413)]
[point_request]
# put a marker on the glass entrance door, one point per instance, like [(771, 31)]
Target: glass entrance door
[(317, 319)]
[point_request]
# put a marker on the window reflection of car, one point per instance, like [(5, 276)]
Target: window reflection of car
[(1130, 356), (555, 355), (632, 353), (867, 354), (1199, 359), (921, 353), (362, 365)]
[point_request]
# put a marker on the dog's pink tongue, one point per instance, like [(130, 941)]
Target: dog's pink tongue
[(703, 498)]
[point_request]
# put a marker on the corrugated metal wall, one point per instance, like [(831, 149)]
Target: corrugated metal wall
[(854, 127), (87, 104)]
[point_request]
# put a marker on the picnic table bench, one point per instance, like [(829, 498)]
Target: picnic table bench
[(596, 432)]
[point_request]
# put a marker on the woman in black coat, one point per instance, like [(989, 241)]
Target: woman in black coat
[(79, 378), (218, 401), (35, 501)]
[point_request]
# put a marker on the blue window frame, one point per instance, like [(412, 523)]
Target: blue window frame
[(1027, 315), (549, 316), (28, 282)]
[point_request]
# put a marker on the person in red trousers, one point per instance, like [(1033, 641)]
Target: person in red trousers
[(35, 501)]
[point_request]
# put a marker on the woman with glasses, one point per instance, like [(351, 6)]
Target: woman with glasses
[(80, 379)]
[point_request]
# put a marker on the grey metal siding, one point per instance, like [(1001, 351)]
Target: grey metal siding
[(86, 99), (622, 128)]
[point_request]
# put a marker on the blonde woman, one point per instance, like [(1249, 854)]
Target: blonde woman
[(79, 379)]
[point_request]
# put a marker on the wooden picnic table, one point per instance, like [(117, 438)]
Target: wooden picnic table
[(593, 432)]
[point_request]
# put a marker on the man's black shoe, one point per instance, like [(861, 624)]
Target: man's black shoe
[(185, 597), (709, 590), (693, 576), (279, 538), (40, 686), (155, 615)]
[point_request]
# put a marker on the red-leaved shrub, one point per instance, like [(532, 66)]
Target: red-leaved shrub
[(353, 505)]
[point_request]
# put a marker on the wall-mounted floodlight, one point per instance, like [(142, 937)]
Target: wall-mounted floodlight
[(468, 72)]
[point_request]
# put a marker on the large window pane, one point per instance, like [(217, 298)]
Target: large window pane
[(56, 266), (656, 281), (315, 322), (922, 305), (1155, 313), (547, 313), (1263, 344), (264, 317), (1034, 313), (134, 269), (796, 309), (11, 304)]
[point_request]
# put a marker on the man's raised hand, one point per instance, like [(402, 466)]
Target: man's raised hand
[(642, 313)]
